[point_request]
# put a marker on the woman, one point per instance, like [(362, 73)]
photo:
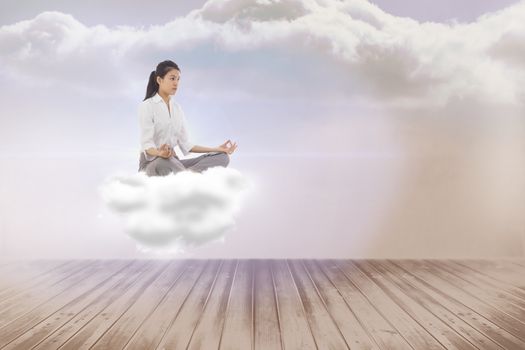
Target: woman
[(163, 126)]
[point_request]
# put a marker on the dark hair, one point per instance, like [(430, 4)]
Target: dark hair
[(162, 69)]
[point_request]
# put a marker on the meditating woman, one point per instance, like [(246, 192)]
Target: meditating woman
[(163, 126)]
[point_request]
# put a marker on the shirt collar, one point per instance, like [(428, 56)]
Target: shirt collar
[(156, 98)]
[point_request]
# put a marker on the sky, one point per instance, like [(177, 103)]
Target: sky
[(370, 128)]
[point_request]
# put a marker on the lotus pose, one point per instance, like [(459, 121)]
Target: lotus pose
[(163, 126)]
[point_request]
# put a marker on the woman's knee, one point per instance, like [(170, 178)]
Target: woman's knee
[(223, 159), (158, 170), (163, 167)]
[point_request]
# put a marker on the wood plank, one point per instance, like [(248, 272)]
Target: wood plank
[(35, 326), (497, 300), (353, 331), (390, 326), (13, 264), (16, 274), (324, 329), (207, 333), (22, 303), (520, 262), (267, 333), (438, 291), (120, 283), (150, 333), (448, 323), (500, 292), (179, 333), (482, 278), (237, 333), (87, 336), (498, 270), (120, 332), (294, 327), (432, 324), (432, 277), (263, 304), (43, 281)]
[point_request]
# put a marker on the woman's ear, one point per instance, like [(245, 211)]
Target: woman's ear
[(158, 80)]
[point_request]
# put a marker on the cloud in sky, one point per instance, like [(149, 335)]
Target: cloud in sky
[(170, 213), (322, 48)]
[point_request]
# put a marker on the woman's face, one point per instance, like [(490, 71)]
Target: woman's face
[(169, 84)]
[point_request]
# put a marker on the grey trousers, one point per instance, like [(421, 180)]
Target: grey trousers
[(162, 166)]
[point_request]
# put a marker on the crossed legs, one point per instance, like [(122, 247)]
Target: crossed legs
[(162, 167)]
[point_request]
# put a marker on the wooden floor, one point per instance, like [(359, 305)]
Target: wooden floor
[(263, 304)]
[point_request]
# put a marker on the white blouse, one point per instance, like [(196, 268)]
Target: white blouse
[(158, 126)]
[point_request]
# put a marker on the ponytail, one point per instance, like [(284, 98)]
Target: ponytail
[(153, 86), (162, 68)]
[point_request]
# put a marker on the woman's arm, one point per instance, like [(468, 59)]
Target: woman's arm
[(203, 149), (227, 147), (147, 130)]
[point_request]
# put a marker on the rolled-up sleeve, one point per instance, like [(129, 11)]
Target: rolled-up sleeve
[(147, 129), (184, 137)]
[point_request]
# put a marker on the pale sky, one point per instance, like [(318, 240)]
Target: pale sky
[(114, 12), (373, 129)]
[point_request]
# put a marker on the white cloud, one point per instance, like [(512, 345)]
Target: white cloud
[(387, 58), (171, 213), (222, 11)]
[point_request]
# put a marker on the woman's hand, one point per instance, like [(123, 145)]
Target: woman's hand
[(227, 147), (165, 151)]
